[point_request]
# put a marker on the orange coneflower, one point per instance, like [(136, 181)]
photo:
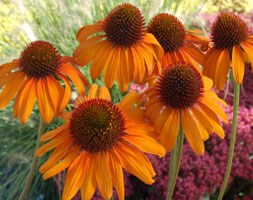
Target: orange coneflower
[(36, 75), (231, 41), (179, 45), (181, 90), (124, 49), (97, 140)]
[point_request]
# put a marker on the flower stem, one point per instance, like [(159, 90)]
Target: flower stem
[(175, 160), (232, 140), (35, 161)]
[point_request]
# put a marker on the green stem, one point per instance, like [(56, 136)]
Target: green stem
[(175, 160), (35, 161), (232, 140)]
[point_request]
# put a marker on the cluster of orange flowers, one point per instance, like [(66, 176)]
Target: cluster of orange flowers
[(100, 138)]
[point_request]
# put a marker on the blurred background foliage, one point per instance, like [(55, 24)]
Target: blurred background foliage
[(57, 21)]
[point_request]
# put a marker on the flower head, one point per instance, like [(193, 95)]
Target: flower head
[(233, 44), (181, 95), (124, 49), (179, 45), (96, 141), (34, 76)]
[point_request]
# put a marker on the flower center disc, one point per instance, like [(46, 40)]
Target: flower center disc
[(39, 59), (168, 30), (124, 25), (228, 30), (97, 125), (180, 86)]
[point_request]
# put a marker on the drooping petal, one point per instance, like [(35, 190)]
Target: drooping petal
[(110, 73), (215, 107), (26, 100), (89, 183), (11, 88), (103, 175), (51, 134), (45, 106), (238, 64), (211, 63), (169, 132), (135, 162), (63, 164), (75, 75), (58, 153), (65, 136), (117, 176), (146, 144), (248, 48), (192, 132), (55, 91), (75, 176), (221, 72), (67, 94), (101, 60)]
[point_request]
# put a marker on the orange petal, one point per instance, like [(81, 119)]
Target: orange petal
[(67, 94), (26, 100), (192, 132), (123, 77), (139, 66), (44, 102), (128, 100), (208, 83), (85, 54), (150, 39), (213, 119), (11, 88), (238, 64), (169, 132), (101, 60), (58, 153), (89, 183), (93, 91), (75, 176), (195, 53), (215, 107), (111, 71), (6, 68), (211, 63), (221, 72), (71, 156), (51, 134), (76, 77), (146, 144), (104, 93), (117, 176), (86, 31), (248, 48), (135, 162), (65, 136), (103, 175), (56, 92)]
